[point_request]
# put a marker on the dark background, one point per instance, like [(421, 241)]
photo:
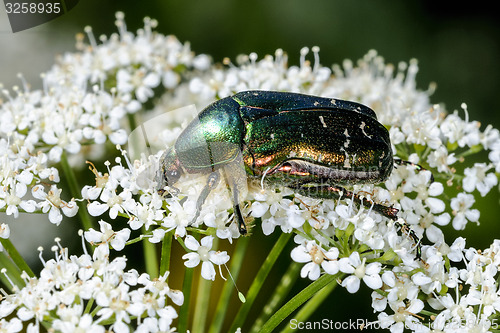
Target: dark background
[(457, 46)]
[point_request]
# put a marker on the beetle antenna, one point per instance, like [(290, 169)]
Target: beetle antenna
[(240, 294)]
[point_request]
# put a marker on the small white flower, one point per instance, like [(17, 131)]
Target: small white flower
[(461, 210), (370, 273), (138, 81), (53, 204), (315, 257), (4, 231), (476, 178), (204, 254), (107, 236), (441, 159)]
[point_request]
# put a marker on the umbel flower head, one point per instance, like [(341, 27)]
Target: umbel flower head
[(95, 95)]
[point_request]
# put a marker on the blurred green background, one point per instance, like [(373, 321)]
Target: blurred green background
[(457, 46)]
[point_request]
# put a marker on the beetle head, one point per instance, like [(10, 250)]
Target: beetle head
[(169, 171)]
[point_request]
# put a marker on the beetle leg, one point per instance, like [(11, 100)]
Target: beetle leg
[(213, 180), (405, 229), (334, 192), (242, 227), (236, 179), (236, 185)]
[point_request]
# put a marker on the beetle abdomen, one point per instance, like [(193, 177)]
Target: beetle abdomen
[(343, 146)]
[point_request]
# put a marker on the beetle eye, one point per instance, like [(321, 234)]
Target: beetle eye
[(171, 176)]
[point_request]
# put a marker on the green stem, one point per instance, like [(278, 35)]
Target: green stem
[(75, 190), (90, 303), (472, 150), (16, 256), (138, 239), (202, 301), (186, 290), (227, 290), (12, 272), (278, 296), (297, 301), (202, 305), (166, 247), (259, 280), (312, 304), (150, 257)]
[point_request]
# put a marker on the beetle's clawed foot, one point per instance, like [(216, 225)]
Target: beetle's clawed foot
[(244, 223), (405, 229), (169, 192), (417, 167)]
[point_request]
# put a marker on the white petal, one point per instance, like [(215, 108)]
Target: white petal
[(193, 259), (434, 234), (92, 236), (96, 208), (310, 270), (119, 137), (55, 216), (259, 209), (207, 241), (152, 80), (373, 281), (345, 266), (331, 267), (24, 314), (435, 205), (420, 279), (354, 259), (389, 279), (351, 283), (191, 243), (299, 254), (208, 270), (55, 154), (4, 231), (121, 237), (373, 268), (435, 189), (38, 192), (70, 209), (219, 258), (177, 296), (28, 206)]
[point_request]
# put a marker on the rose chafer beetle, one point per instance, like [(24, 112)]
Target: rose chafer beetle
[(313, 145)]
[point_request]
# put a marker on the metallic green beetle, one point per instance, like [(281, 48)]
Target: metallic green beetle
[(313, 145)]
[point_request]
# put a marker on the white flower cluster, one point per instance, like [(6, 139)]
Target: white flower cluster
[(90, 93), (84, 99), (464, 298), (89, 293)]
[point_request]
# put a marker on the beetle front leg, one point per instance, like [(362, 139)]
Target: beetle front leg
[(235, 184), (335, 192), (242, 227), (213, 180)]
